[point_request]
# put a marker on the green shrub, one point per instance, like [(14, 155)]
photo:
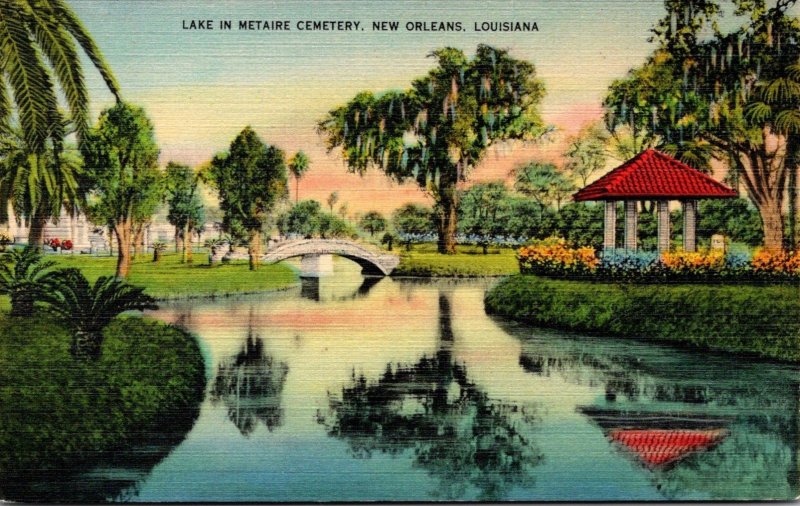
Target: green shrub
[(752, 319), (60, 413)]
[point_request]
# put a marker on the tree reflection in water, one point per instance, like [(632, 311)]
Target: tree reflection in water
[(250, 385), (457, 433), (758, 459)]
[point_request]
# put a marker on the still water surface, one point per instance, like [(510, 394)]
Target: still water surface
[(354, 389)]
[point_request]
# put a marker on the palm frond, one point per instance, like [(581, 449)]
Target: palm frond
[(59, 48), (781, 89), (5, 104), (28, 77), (758, 112), (90, 307), (788, 121), (74, 26)]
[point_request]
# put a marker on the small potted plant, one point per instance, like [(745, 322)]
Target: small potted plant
[(158, 250), (66, 245), (54, 243)]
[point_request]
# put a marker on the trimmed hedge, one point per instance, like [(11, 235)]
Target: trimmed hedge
[(58, 413), (761, 320)]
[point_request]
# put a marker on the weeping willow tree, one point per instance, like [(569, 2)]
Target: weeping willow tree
[(437, 131), (731, 96)]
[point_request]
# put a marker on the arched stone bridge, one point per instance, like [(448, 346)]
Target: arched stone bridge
[(314, 251)]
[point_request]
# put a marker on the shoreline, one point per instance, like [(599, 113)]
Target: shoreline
[(745, 320)]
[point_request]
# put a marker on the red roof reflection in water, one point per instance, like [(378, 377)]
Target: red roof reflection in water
[(656, 447)]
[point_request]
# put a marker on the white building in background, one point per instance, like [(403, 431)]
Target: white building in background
[(76, 228), (91, 238)]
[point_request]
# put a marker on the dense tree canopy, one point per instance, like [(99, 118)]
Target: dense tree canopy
[(733, 96), (543, 182), (484, 211), (437, 131), (372, 222), (186, 211), (307, 219), (250, 179), (125, 185)]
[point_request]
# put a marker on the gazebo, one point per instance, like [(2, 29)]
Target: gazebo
[(652, 175)]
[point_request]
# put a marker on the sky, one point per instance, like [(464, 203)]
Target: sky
[(202, 87)]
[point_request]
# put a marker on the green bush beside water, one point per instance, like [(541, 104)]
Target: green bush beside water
[(59, 413), (761, 320)]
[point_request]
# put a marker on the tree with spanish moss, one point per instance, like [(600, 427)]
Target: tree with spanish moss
[(437, 132), (732, 96)]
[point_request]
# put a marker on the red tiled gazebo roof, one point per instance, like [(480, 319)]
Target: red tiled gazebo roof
[(654, 175)]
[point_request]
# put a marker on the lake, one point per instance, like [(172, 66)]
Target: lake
[(349, 388)]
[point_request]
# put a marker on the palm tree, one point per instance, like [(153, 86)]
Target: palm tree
[(37, 184), (298, 166), (777, 104), (333, 198), (40, 59), (39, 63), (25, 278), (87, 309)]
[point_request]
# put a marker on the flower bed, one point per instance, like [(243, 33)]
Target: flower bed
[(554, 257)]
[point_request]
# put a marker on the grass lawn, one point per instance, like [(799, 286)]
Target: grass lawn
[(171, 279), (424, 261)]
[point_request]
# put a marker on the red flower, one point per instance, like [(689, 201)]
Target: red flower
[(66, 245)]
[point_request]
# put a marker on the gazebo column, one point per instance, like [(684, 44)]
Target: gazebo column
[(631, 224), (690, 225), (610, 226), (663, 226)]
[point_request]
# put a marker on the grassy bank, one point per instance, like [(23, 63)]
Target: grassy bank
[(424, 261), (58, 413), (752, 319), (170, 279)]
